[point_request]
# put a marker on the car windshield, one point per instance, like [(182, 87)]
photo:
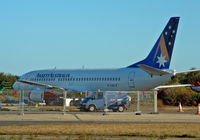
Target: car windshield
[(100, 95), (87, 98)]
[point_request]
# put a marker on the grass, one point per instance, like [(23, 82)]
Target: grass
[(144, 130)]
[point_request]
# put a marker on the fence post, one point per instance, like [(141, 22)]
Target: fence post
[(22, 103), (105, 103), (155, 92), (138, 101), (64, 101), (138, 112)]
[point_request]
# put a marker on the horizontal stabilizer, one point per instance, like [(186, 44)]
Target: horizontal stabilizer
[(153, 71), (188, 71), (173, 86)]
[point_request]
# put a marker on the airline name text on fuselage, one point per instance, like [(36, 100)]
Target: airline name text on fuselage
[(52, 75)]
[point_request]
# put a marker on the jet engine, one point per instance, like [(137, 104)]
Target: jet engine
[(42, 96)]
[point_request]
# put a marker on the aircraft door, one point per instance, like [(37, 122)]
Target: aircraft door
[(131, 81)]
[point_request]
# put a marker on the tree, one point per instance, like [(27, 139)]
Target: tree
[(7, 78), (185, 95)]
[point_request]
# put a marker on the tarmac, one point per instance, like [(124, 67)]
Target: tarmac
[(32, 118)]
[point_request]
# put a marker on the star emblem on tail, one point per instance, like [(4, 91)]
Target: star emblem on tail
[(161, 60)]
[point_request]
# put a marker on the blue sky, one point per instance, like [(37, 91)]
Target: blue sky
[(43, 34)]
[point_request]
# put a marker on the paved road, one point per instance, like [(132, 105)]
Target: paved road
[(13, 118)]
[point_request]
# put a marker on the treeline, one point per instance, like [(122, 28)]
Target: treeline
[(7, 79), (172, 96)]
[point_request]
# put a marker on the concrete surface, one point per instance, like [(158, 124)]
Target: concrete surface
[(76, 117)]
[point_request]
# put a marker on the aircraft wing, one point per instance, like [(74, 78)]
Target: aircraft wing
[(188, 71), (194, 86), (153, 71), (50, 86), (173, 86), (41, 85)]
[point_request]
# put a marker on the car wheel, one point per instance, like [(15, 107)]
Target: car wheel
[(92, 108), (121, 108)]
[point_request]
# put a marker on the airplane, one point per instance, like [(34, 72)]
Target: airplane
[(144, 75)]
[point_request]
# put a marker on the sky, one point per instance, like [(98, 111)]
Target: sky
[(47, 34)]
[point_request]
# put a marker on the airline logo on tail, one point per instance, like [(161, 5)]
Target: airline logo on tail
[(160, 55)]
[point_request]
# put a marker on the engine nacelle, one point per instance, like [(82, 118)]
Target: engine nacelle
[(36, 95), (42, 96)]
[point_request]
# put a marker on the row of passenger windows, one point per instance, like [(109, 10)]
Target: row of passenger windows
[(78, 79)]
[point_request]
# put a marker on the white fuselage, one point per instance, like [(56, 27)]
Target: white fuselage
[(122, 79)]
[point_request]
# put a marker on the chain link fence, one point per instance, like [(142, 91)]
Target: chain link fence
[(59, 101)]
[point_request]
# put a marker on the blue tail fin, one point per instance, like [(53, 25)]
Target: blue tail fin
[(160, 55)]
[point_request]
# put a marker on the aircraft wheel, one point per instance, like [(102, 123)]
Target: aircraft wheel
[(121, 108), (92, 108)]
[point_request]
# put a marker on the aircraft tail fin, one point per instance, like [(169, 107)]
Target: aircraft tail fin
[(160, 55)]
